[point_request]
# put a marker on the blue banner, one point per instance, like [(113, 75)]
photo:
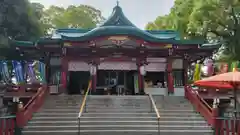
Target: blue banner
[(17, 67), (14, 64), (20, 72), (5, 71)]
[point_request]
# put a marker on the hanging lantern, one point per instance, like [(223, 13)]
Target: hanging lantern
[(170, 51), (142, 70), (15, 99), (210, 68), (20, 106), (64, 51), (93, 69)]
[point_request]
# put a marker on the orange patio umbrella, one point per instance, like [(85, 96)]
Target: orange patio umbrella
[(226, 80), (229, 79), (218, 85)]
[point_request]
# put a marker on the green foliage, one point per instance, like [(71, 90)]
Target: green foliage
[(21, 20), (17, 21), (177, 19), (82, 16), (218, 20), (214, 20), (38, 11)]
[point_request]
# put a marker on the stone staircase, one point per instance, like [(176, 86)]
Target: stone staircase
[(118, 115), (59, 113), (179, 116)]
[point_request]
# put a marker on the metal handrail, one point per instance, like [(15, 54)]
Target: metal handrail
[(200, 98), (83, 105), (153, 104)]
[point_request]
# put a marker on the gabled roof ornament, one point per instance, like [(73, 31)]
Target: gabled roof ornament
[(117, 3), (117, 18)]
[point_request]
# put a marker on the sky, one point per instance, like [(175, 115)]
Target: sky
[(139, 12)]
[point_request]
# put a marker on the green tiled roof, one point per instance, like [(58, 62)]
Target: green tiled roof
[(127, 30), (72, 30), (155, 33), (44, 41), (118, 24), (211, 46), (22, 43)]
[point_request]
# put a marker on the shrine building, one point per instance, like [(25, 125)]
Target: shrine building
[(120, 57)]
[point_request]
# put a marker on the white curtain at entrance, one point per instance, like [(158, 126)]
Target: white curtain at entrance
[(78, 66), (156, 67), (118, 66)]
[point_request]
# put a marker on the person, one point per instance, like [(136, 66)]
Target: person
[(113, 85), (159, 84), (163, 83), (82, 89)]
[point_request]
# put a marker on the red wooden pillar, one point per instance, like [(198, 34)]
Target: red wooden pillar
[(47, 68), (185, 68), (170, 76), (215, 114), (64, 66), (140, 79)]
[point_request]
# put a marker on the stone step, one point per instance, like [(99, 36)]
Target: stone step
[(95, 110), (63, 99), (176, 108), (118, 102), (118, 105), (112, 101), (115, 109), (109, 104), (117, 127), (91, 110), (84, 118), (65, 114), (120, 132), (92, 107), (117, 122), (62, 104), (173, 110), (119, 97), (173, 104), (120, 114)]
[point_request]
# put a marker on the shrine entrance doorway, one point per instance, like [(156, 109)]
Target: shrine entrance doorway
[(78, 82), (115, 82)]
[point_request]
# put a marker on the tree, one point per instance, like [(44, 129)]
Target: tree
[(82, 16), (214, 20), (218, 21), (17, 21), (39, 15), (177, 19)]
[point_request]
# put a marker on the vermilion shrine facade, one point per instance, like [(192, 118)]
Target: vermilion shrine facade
[(117, 44)]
